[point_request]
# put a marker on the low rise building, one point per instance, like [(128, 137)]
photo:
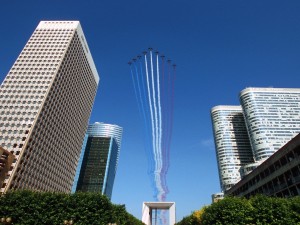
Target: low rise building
[(279, 175), (217, 197), (6, 160)]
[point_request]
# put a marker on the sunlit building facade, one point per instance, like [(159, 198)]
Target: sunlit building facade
[(100, 153), (232, 143), (45, 103), (272, 118)]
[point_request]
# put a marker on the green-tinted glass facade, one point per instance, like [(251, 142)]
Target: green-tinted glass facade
[(98, 161), (94, 164)]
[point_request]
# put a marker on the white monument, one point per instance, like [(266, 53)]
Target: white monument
[(149, 206)]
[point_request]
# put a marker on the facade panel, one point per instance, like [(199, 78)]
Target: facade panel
[(91, 178)]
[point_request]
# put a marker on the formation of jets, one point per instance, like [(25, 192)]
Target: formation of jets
[(150, 50)]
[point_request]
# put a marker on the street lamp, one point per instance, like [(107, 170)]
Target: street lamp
[(68, 222), (6, 220)]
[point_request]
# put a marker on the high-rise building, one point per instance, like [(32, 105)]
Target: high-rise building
[(96, 171), (45, 103), (272, 118), (232, 143)]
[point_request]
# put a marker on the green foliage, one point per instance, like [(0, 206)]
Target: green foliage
[(193, 219), (228, 211), (188, 220), (295, 208), (27, 207), (267, 210), (259, 210)]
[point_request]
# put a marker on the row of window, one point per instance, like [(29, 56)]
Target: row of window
[(59, 129)]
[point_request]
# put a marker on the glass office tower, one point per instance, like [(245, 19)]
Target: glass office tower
[(96, 171), (45, 103), (232, 143), (272, 117)]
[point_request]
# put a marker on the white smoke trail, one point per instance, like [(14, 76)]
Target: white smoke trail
[(155, 113), (159, 187), (150, 106)]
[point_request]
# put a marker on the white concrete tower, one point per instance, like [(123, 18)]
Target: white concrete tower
[(45, 103)]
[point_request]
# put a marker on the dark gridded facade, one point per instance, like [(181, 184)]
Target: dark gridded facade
[(96, 174), (52, 87)]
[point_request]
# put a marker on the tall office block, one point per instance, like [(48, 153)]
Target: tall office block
[(45, 103), (232, 143), (100, 158), (272, 117)]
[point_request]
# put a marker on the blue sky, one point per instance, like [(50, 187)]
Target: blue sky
[(220, 47)]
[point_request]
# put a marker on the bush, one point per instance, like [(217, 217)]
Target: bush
[(271, 210), (28, 207), (258, 210), (228, 211), (295, 208)]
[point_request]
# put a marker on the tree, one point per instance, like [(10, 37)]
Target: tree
[(295, 207), (28, 207), (230, 210), (258, 210), (272, 210)]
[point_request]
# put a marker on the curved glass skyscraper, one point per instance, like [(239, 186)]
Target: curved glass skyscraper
[(99, 158), (267, 119), (272, 117), (232, 143)]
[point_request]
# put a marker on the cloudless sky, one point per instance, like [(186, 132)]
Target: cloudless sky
[(220, 47)]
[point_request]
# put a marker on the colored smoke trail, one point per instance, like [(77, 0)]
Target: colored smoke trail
[(153, 82), (151, 110), (159, 110), (156, 120), (147, 121)]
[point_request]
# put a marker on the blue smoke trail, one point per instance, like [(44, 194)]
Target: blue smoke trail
[(134, 87)]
